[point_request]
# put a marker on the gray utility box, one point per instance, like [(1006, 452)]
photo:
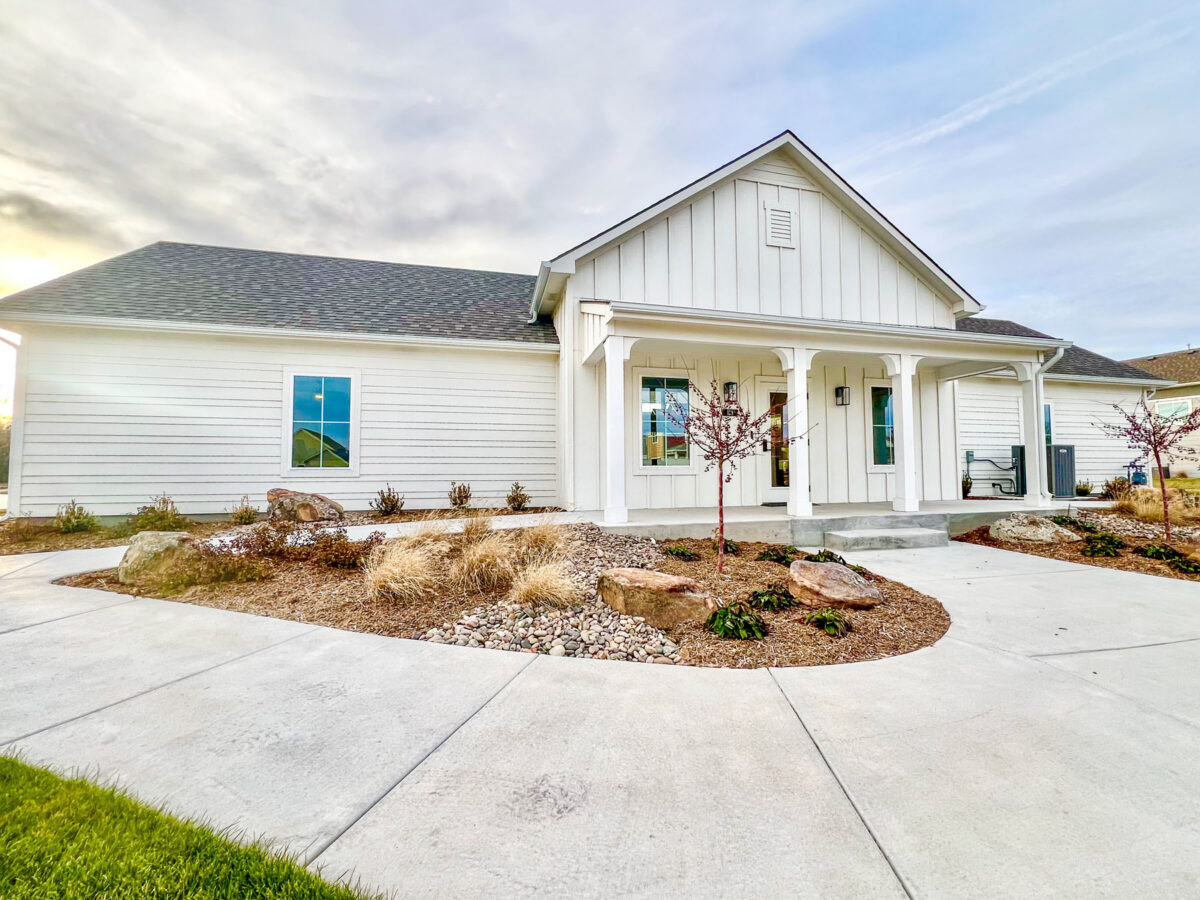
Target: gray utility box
[(1060, 469)]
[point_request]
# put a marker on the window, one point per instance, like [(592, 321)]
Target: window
[(883, 433), (320, 422), (664, 442), (1048, 421), (1173, 409)]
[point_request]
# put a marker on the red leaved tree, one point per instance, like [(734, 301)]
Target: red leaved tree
[(1159, 437), (725, 433)]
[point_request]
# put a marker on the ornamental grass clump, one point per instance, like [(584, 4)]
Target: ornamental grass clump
[(737, 623), (544, 585), (485, 564), (540, 543), (476, 529), (73, 519), (400, 572)]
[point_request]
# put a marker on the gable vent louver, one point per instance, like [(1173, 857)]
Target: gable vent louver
[(779, 226)]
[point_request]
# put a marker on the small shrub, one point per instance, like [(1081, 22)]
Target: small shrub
[(517, 499), (400, 572), (1102, 544), (542, 542), (459, 494), (73, 518), (485, 564), (476, 529), (273, 539), (245, 513), (1115, 488), (865, 573), (831, 621), (160, 515), (967, 483), (1083, 489), (335, 550), (1172, 557), (432, 531), (387, 502), (784, 555), (826, 556), (736, 622), (22, 528), (544, 585), (774, 598), (1078, 524), (730, 546), (681, 552)]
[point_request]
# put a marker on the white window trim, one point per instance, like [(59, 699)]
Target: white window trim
[(635, 429), (287, 470), (872, 467)]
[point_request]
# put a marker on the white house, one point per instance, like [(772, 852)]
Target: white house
[(210, 373)]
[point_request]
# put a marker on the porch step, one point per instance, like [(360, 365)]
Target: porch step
[(885, 538)]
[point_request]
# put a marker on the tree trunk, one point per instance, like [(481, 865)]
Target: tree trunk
[(720, 517), (1162, 484)]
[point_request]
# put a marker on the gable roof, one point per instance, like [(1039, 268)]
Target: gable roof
[(1179, 365), (196, 284), (1076, 361), (826, 179)]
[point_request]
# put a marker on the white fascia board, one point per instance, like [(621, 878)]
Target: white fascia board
[(826, 177), (277, 333), (631, 311), (1104, 379)]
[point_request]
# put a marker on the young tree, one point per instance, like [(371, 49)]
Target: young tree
[(724, 432), (1159, 437)]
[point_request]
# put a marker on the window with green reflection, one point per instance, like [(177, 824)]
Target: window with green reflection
[(883, 432), (320, 422)]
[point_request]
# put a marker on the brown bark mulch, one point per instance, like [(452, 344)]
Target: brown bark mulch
[(1128, 561), (20, 536), (907, 620)]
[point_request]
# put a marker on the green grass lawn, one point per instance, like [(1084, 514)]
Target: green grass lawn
[(1192, 484), (64, 837)]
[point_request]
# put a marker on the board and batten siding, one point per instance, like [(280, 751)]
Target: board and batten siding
[(113, 416), (990, 423), (711, 253)]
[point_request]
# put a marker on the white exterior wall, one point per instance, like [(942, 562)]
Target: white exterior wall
[(112, 416), (710, 252), (989, 422)]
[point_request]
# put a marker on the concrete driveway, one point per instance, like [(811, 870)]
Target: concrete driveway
[(1047, 746)]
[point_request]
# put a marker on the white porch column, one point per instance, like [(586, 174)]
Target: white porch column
[(1033, 427), (796, 362), (901, 367), (616, 352)]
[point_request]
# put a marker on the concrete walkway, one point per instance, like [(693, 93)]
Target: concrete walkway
[(1047, 746)]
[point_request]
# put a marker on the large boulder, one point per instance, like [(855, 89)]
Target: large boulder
[(296, 506), (662, 600), (821, 584), (1032, 530), (153, 552)]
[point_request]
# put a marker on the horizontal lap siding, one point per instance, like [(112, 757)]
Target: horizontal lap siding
[(113, 417), (989, 423)]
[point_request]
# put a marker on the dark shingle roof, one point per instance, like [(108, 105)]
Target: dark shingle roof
[(1181, 365), (198, 284), (1075, 361)]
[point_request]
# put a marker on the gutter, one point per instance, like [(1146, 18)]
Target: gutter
[(539, 290)]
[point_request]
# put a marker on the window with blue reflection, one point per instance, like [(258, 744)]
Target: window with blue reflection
[(664, 440), (320, 422)]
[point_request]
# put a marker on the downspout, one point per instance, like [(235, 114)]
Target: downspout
[(1039, 387), (8, 514)]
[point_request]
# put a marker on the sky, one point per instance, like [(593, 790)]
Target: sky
[(1045, 154)]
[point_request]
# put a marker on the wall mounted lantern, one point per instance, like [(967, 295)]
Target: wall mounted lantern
[(730, 389), (841, 395)]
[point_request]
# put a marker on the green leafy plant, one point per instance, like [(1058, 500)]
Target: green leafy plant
[(245, 513), (73, 518), (680, 552), (517, 498), (1078, 524), (160, 515), (388, 501), (1083, 489), (826, 556), (736, 622), (774, 598), (459, 494), (1172, 557), (1102, 544), (831, 621), (784, 554), (730, 546)]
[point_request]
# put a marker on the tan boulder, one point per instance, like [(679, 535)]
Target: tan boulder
[(662, 600), (297, 506), (1032, 530), (818, 585), (153, 552)]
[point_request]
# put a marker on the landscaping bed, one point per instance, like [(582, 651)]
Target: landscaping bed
[(482, 589)]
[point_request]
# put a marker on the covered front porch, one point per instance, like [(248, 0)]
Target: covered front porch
[(875, 406)]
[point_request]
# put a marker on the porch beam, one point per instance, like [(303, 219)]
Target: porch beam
[(968, 368), (616, 354), (901, 367), (796, 362)]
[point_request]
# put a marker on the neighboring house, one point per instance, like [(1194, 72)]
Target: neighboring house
[(211, 373), (1183, 368)]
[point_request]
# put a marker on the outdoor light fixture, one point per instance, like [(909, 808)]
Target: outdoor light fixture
[(731, 398), (841, 395)]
